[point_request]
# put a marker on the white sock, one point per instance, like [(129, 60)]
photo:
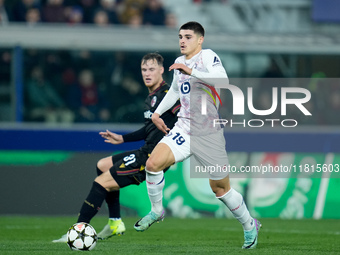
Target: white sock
[(234, 201), (155, 184), (115, 219)]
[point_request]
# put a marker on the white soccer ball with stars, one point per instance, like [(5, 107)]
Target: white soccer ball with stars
[(82, 237)]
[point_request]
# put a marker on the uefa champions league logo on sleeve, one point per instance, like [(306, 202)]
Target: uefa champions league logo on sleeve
[(289, 96)]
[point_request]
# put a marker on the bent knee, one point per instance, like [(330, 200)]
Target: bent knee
[(100, 167), (104, 164), (152, 165), (107, 182)]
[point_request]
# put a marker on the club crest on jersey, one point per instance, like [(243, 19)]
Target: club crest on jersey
[(216, 61), (153, 101), (148, 114)]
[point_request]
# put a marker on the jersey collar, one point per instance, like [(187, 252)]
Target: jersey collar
[(153, 92)]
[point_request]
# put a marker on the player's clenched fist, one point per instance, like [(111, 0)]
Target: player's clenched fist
[(181, 67)]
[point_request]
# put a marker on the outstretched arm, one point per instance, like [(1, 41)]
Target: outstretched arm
[(111, 137), (114, 138)]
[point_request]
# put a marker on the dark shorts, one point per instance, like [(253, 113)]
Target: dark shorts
[(128, 167)]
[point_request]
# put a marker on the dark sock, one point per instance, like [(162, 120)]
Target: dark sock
[(112, 200), (92, 203)]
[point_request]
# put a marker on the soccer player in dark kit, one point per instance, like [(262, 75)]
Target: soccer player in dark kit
[(127, 168)]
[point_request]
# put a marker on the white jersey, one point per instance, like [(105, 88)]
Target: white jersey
[(191, 89)]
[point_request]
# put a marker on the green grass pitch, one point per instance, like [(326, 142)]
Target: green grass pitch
[(33, 235)]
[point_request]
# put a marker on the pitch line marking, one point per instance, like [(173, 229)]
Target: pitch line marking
[(321, 198)]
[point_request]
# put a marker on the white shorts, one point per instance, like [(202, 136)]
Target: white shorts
[(209, 151)]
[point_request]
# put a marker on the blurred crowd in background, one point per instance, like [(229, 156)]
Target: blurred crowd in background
[(65, 86), (99, 12), (107, 87), (80, 86)]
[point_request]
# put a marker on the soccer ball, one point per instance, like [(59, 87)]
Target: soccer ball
[(81, 237)]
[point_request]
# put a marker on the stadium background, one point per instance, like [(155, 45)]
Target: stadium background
[(48, 150)]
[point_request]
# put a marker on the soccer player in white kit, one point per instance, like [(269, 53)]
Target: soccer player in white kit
[(192, 134)]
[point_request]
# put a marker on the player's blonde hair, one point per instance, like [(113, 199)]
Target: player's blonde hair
[(153, 56)]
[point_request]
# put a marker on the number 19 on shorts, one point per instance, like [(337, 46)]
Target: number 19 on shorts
[(178, 138)]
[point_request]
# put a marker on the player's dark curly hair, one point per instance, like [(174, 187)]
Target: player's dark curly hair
[(153, 56), (194, 26)]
